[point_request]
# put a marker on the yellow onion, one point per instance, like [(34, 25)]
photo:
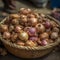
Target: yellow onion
[(23, 18), (14, 36), (26, 29), (11, 28), (6, 35), (31, 43), (18, 28), (4, 28), (31, 16), (36, 15), (23, 36), (14, 16), (25, 11), (15, 21), (54, 35), (40, 28), (20, 43), (44, 35), (55, 29), (29, 11), (33, 21)]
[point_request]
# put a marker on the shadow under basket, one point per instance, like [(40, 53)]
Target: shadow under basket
[(28, 52)]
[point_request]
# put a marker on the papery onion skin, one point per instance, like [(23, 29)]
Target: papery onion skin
[(40, 28), (18, 29), (33, 38), (54, 35), (33, 21), (23, 36), (44, 35), (4, 28), (6, 35), (44, 42), (47, 25), (32, 31), (31, 44)]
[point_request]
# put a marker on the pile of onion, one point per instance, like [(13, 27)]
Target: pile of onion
[(28, 28)]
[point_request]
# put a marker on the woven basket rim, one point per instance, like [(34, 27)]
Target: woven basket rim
[(28, 47)]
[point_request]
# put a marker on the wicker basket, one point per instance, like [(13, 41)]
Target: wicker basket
[(55, 19), (28, 52)]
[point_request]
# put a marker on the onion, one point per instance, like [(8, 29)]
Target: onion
[(23, 18), (14, 37), (23, 36), (32, 31), (11, 28), (44, 35), (36, 15), (33, 21), (31, 16), (24, 11), (47, 24), (55, 29), (20, 43), (15, 21), (40, 28), (39, 42), (31, 43), (14, 16), (6, 35), (29, 10), (4, 28), (33, 38), (26, 29), (18, 28), (54, 35), (44, 42)]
